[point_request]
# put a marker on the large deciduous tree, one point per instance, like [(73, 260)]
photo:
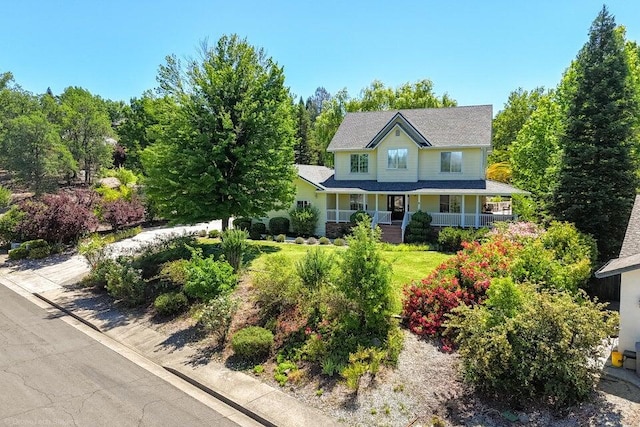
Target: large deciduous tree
[(226, 142), (597, 183), (508, 122), (85, 128), (33, 150)]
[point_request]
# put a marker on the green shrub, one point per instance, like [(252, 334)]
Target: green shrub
[(214, 234), (252, 342), (97, 277), (257, 230), (161, 250), (38, 243), (277, 286), (39, 252), (215, 317), (546, 340), (338, 242), (359, 216), (324, 241), (208, 278), (419, 228), (365, 360), (366, 279), (202, 233), (9, 223), (234, 246), (280, 238), (125, 283), (452, 238), (315, 268), (304, 220), (311, 241), (5, 197), (93, 249), (279, 225), (299, 241), (242, 224), (18, 253), (175, 272), (170, 303)]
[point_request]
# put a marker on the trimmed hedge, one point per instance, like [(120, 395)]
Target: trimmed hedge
[(242, 223), (252, 342), (257, 230)]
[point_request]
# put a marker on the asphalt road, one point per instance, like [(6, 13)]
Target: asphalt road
[(53, 374)]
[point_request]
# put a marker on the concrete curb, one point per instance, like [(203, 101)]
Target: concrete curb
[(220, 397), (69, 312)]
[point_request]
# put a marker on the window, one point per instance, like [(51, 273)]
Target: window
[(359, 163), (451, 161), (356, 202), (397, 158), (301, 204), (450, 204)]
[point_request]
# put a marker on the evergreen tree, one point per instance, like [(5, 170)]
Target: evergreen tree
[(597, 184), (302, 150)]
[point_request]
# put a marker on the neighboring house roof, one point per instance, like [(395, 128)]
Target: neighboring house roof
[(629, 258), (323, 179), (436, 127)]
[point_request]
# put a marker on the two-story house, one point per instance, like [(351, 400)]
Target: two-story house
[(393, 163)]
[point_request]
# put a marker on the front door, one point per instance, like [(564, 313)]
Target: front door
[(395, 204)]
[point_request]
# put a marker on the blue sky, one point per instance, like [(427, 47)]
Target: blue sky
[(477, 51)]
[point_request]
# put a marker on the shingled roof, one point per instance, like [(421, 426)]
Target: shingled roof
[(323, 179), (440, 127), (629, 258)]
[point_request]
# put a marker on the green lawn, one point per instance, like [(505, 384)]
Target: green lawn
[(409, 262)]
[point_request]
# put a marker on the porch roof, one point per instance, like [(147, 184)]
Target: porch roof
[(470, 187)]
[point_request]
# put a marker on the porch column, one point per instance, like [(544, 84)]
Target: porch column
[(337, 207), (462, 212), (477, 211), (419, 202), (406, 203), (376, 195)]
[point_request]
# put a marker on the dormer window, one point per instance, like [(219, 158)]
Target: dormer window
[(359, 163), (451, 161), (397, 158)]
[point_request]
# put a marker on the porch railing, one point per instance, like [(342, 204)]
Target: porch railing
[(438, 219)]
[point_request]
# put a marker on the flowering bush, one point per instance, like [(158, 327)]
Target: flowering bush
[(463, 279), (517, 231)]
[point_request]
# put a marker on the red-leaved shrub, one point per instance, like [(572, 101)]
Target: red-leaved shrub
[(120, 212), (62, 217), (463, 279)]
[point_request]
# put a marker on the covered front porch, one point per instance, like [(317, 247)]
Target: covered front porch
[(456, 210)]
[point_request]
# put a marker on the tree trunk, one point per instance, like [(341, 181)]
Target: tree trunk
[(225, 223)]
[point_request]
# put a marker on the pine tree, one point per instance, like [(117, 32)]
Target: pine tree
[(302, 149), (597, 184)]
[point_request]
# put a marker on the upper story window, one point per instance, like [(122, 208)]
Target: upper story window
[(359, 163), (451, 161), (301, 204), (450, 204), (397, 158)]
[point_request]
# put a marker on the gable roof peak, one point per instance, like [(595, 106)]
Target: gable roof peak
[(441, 127)]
